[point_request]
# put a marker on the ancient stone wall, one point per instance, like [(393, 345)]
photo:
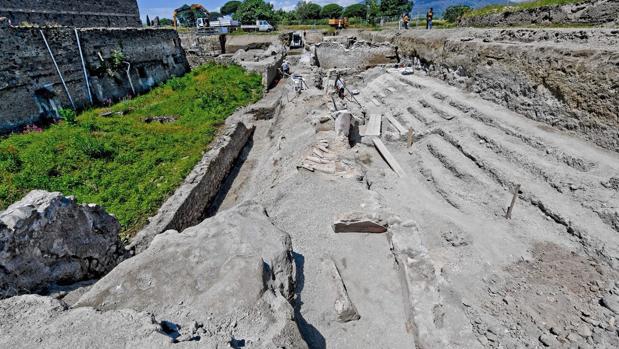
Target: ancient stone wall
[(188, 205), (30, 88), (588, 12), (202, 48), (566, 78), (73, 13)]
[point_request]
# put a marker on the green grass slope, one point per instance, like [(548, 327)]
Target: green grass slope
[(120, 162)]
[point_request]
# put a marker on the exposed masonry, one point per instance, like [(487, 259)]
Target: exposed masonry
[(30, 88), (77, 13)]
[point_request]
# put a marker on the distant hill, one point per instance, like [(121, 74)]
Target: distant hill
[(439, 6)]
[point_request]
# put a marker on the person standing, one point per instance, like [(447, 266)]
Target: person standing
[(429, 16), (405, 20)]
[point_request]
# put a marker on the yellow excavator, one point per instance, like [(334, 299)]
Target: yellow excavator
[(191, 16)]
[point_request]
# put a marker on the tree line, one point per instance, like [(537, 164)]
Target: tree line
[(248, 11)]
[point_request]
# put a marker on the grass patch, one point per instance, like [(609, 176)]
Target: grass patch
[(520, 6), (120, 162)]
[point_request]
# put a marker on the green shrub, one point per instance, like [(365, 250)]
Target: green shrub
[(68, 115)]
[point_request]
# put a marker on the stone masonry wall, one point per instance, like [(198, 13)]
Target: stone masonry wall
[(30, 86), (566, 78), (73, 13), (187, 206)]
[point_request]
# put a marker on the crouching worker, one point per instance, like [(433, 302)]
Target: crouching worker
[(286, 68), (339, 86)]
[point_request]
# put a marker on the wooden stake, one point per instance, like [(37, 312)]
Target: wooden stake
[(511, 207), (410, 137)]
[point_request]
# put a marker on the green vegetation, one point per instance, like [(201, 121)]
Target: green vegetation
[(454, 13), (230, 7), (120, 162), (249, 11), (331, 11), (355, 10), (307, 10), (520, 6)]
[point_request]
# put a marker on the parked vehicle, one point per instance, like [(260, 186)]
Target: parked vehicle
[(261, 26), (221, 26), (297, 40)]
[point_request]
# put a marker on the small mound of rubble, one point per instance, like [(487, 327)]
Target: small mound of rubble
[(47, 238)]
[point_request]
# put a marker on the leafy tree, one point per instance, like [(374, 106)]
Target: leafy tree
[(284, 17), (307, 10), (394, 8), (213, 16), (230, 7), (250, 11), (453, 13), (147, 21), (331, 11), (165, 22), (356, 10), (373, 10)]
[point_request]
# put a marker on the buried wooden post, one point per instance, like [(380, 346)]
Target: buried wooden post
[(410, 137), (511, 206)]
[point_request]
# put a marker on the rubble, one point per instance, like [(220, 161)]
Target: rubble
[(47, 238)]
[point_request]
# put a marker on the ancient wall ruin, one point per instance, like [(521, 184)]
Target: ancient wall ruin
[(30, 87), (75, 13)]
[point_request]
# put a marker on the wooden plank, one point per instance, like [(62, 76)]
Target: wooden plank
[(373, 127), (401, 129), (380, 146), (511, 206)]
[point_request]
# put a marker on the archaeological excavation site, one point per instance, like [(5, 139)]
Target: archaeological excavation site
[(355, 188)]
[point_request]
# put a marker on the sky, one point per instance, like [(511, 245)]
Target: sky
[(164, 8)]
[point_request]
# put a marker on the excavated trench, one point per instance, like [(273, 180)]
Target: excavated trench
[(452, 271), (415, 147)]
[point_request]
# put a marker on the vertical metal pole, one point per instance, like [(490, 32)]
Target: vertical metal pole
[(57, 69), (79, 46)]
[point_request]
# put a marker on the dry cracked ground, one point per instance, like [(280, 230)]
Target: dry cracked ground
[(451, 271)]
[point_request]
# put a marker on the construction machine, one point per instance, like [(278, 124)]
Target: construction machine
[(339, 23), (191, 16)]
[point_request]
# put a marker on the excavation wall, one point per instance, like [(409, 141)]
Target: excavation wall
[(586, 12), (565, 78), (30, 88), (187, 207), (202, 48), (74, 13)]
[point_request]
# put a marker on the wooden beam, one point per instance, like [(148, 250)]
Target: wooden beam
[(382, 149), (373, 127), (511, 206), (398, 126)]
